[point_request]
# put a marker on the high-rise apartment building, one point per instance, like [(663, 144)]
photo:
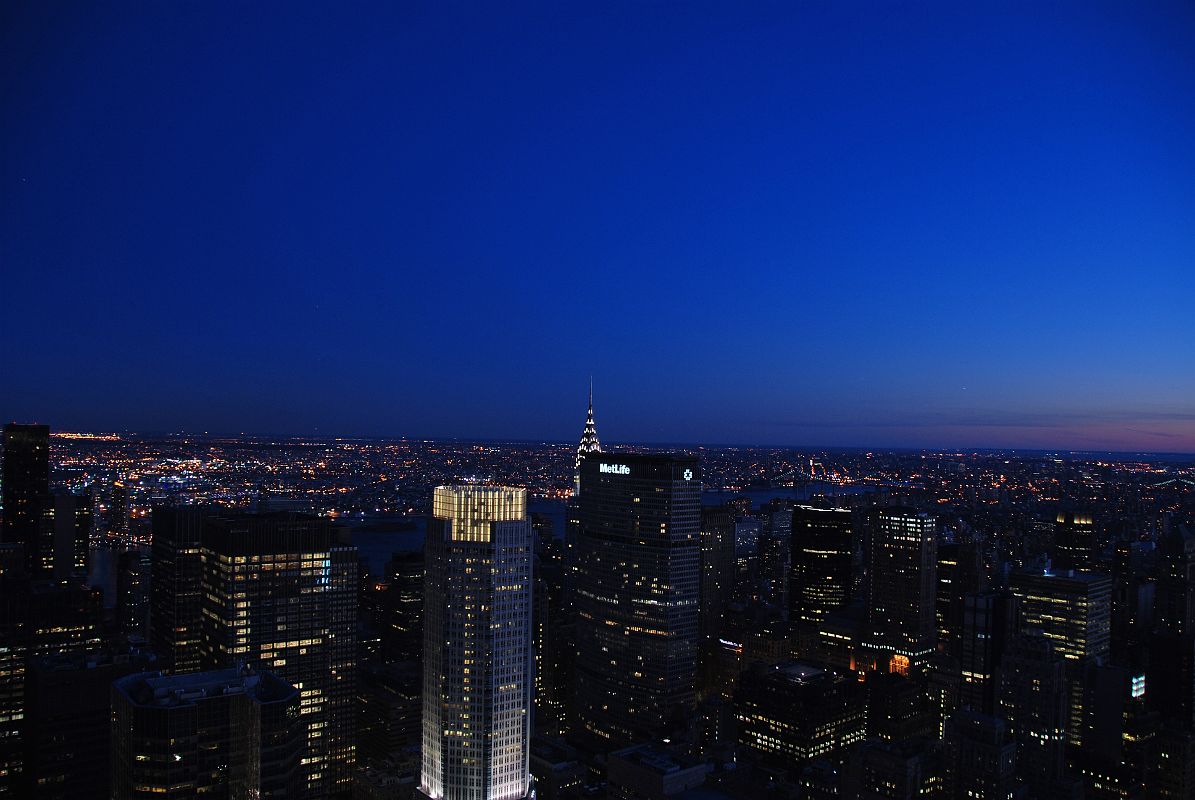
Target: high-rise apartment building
[(902, 578), (637, 579), (477, 660)]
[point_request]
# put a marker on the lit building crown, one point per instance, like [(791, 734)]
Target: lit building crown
[(589, 441)]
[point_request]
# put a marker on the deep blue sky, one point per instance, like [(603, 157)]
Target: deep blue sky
[(802, 223)]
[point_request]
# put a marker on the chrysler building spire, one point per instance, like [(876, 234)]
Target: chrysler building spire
[(589, 442)]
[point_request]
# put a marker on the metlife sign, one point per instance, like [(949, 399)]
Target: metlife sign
[(614, 469)]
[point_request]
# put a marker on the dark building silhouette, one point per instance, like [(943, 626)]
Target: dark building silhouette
[(26, 488), (120, 509), (1034, 700), (989, 622), (1074, 541), (637, 561), (906, 770), (37, 619), (133, 592), (980, 756), (68, 722), (176, 588), (223, 734), (793, 713), (390, 712), (822, 552), (960, 572), (553, 626), (775, 554), (717, 567), (898, 708)]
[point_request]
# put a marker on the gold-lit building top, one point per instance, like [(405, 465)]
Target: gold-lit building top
[(473, 508)]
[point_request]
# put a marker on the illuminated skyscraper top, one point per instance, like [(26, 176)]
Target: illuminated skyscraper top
[(589, 442)]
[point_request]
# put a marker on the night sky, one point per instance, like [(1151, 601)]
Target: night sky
[(804, 223)]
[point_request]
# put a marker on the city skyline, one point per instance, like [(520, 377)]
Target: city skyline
[(795, 224)]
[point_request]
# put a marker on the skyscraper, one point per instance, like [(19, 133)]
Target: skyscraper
[(26, 474), (589, 443), (637, 562), (821, 564), (1074, 540), (988, 625), (176, 588), (1073, 611), (477, 660), (280, 593), (902, 582), (717, 566)]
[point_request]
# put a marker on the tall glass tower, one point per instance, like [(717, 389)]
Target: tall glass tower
[(477, 660)]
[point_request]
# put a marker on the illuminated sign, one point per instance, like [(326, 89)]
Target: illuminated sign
[(688, 474), (1138, 686), (615, 469)]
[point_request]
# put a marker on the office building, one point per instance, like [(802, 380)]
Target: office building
[(637, 581), (902, 579), (477, 660), (1032, 696), (280, 594), (905, 770), (120, 509), (792, 713), (960, 572), (228, 733), (132, 592), (1073, 610), (644, 772), (775, 554), (980, 758), (989, 622), (176, 588), (37, 619), (1074, 541), (26, 487), (65, 536), (717, 568), (822, 544)]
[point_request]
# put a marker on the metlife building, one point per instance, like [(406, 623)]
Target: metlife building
[(636, 592)]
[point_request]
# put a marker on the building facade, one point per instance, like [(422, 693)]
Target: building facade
[(477, 660), (637, 579)]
